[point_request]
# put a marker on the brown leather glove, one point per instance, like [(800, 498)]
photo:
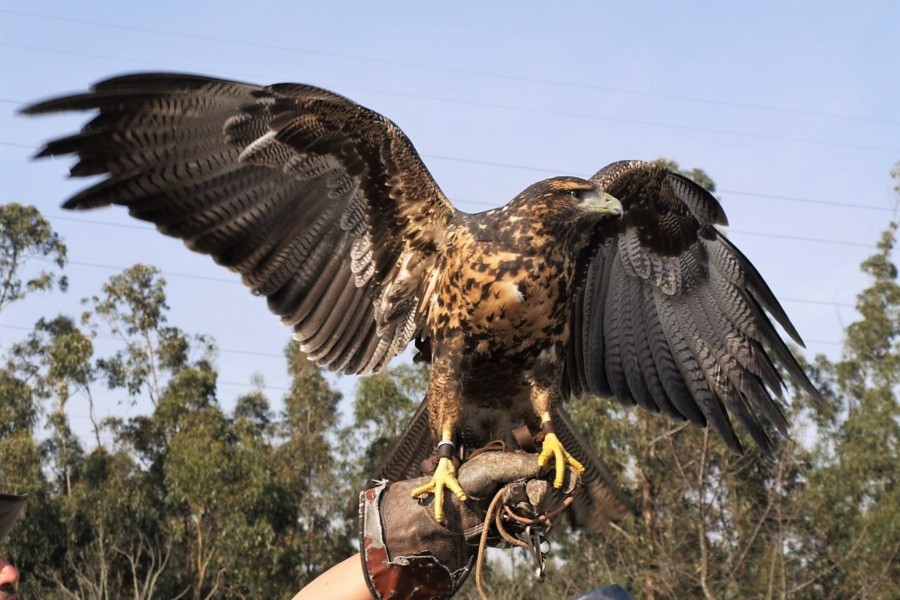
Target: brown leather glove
[(407, 554)]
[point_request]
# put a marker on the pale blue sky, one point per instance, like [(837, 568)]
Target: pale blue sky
[(777, 101)]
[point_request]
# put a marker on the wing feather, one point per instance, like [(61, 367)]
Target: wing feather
[(317, 202), (628, 335), (645, 359), (594, 334), (349, 345), (678, 401), (352, 313), (602, 500), (613, 338), (670, 315)]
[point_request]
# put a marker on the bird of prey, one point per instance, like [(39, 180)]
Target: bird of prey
[(618, 285)]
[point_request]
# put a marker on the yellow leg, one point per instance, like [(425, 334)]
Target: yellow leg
[(444, 477), (553, 448)]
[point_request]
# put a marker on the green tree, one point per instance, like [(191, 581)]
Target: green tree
[(382, 406), (309, 465), (710, 524), (117, 546), (38, 540), (26, 235), (55, 360), (698, 175), (133, 308), (854, 544)]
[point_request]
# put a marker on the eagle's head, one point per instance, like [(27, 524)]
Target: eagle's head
[(564, 208)]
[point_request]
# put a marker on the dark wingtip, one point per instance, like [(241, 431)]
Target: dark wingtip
[(761, 292), (42, 153), (37, 108), (58, 104), (730, 437), (119, 88), (72, 204), (816, 396)]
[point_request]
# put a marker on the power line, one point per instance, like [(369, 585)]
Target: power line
[(223, 280), (18, 145), (818, 302), (521, 78), (32, 48), (164, 273), (787, 300), (614, 119), (119, 340), (824, 342), (797, 238), (807, 200), (57, 217), (558, 171), (574, 115)]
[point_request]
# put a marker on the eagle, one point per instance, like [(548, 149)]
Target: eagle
[(618, 285)]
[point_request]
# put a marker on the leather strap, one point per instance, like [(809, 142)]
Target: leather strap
[(524, 438)]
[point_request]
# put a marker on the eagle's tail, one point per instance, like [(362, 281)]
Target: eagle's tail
[(404, 461), (602, 500), (413, 446)]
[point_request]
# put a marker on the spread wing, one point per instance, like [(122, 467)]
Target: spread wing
[(323, 206), (672, 317)]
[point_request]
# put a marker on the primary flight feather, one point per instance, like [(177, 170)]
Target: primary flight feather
[(617, 285)]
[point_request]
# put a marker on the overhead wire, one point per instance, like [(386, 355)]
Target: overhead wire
[(219, 381), (574, 115), (475, 202), (236, 281), (797, 238), (504, 107), (530, 109), (217, 349), (544, 170), (581, 116), (605, 89), (457, 70)]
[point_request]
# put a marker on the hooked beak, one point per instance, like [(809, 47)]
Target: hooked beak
[(604, 204)]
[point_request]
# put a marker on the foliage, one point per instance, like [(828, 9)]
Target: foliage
[(856, 544), (187, 501), (383, 405), (195, 501), (697, 174), (133, 308), (26, 235)]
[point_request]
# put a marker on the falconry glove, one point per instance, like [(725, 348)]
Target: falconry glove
[(406, 553)]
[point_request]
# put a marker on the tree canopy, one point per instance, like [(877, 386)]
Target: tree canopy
[(194, 501)]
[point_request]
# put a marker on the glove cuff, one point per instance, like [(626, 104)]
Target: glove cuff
[(411, 574)]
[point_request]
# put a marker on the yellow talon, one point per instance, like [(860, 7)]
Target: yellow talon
[(553, 448), (444, 477)]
